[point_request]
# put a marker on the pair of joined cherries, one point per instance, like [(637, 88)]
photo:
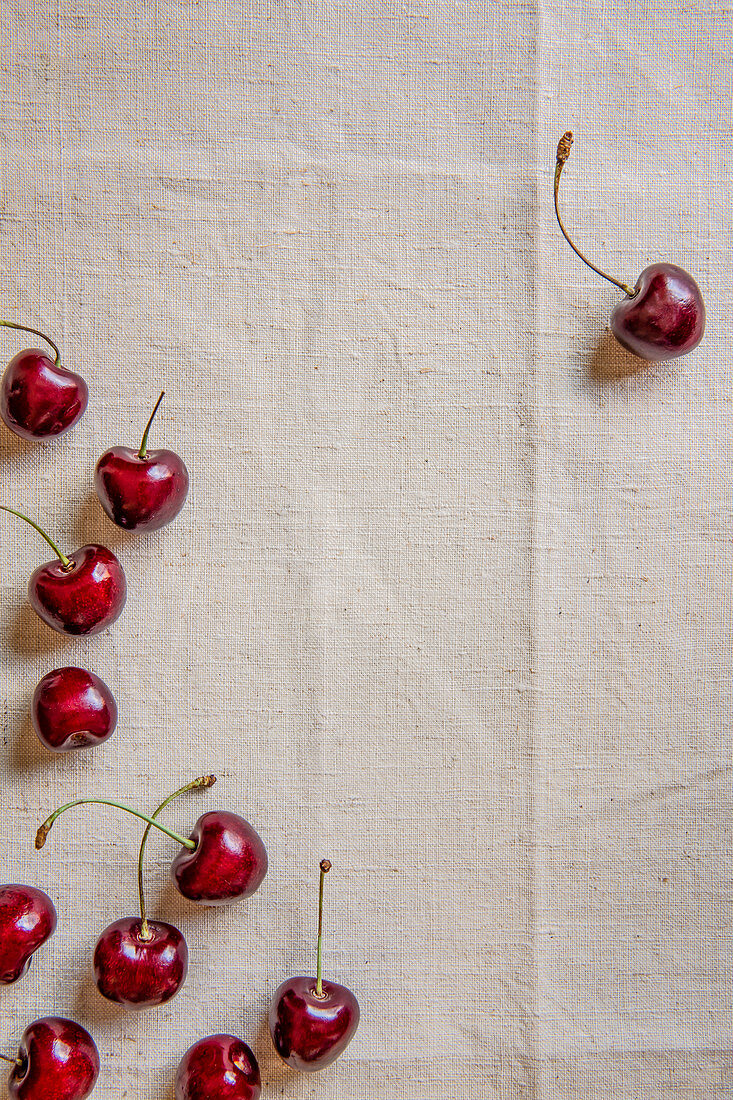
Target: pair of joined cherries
[(140, 963)]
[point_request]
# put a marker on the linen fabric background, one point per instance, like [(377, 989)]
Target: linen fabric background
[(449, 602)]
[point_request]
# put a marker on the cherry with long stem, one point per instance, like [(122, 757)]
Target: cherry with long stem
[(67, 564), (195, 784), (563, 152), (34, 332)]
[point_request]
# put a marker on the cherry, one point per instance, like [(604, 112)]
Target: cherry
[(73, 709), (140, 968), (228, 863), (40, 399), (312, 1021), (27, 919), (220, 1067), (82, 593), (57, 1060), (137, 963), (663, 315), (141, 491)]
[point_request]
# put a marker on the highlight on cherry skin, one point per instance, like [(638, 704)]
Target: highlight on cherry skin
[(57, 1060), (312, 1020), (27, 919), (220, 1067), (40, 399), (72, 709), (663, 314), (141, 490), (76, 594)]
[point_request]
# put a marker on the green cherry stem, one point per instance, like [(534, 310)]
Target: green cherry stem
[(36, 332), (45, 828), (325, 868), (195, 784), (68, 565), (563, 152), (13, 1061), (143, 452)]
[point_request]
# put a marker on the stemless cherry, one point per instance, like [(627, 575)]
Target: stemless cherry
[(73, 709), (141, 490), (663, 315), (57, 1060), (311, 1020), (80, 593), (40, 399), (27, 919), (220, 1067)]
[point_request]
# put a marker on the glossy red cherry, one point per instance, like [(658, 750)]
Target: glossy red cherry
[(663, 315), (80, 593), (40, 399), (228, 862), (309, 1032), (141, 490), (220, 1067), (57, 1060), (73, 709), (137, 971), (311, 1020), (27, 919)]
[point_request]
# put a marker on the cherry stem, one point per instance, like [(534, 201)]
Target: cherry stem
[(143, 452), (13, 1061), (563, 152), (45, 828), (36, 332), (68, 565), (325, 868), (195, 784)]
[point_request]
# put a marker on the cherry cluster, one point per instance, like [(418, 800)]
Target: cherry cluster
[(138, 963)]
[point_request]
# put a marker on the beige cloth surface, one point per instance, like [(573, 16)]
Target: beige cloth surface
[(450, 599)]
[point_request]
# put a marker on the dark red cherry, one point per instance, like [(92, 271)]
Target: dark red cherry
[(141, 490), (83, 599), (228, 863), (220, 1067), (73, 709), (309, 1032), (40, 399), (137, 972), (27, 919), (57, 1060), (664, 318)]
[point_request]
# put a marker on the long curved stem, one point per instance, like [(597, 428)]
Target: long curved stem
[(325, 868), (143, 452), (563, 152), (62, 557), (45, 828), (195, 784), (36, 332)]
